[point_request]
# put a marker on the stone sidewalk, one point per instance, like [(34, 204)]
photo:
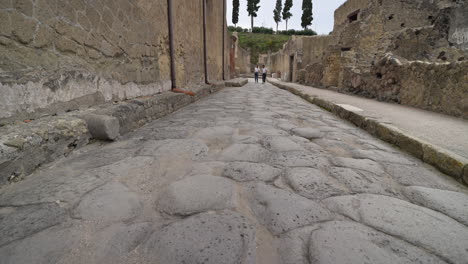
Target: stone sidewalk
[(247, 175), (437, 139)]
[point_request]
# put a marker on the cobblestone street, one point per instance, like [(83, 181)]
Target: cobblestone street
[(246, 175)]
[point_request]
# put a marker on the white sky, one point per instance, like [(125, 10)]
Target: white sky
[(323, 11)]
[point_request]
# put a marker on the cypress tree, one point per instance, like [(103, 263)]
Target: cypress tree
[(277, 13), (286, 11), (235, 12), (307, 18), (252, 9)]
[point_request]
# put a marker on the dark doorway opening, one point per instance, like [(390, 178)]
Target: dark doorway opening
[(291, 68)]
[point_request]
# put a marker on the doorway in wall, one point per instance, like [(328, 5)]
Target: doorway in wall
[(291, 68)]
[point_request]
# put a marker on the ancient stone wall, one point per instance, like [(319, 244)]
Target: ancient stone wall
[(57, 53), (241, 57), (428, 38)]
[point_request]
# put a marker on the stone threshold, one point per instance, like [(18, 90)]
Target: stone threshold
[(238, 82), (444, 160), (25, 146)]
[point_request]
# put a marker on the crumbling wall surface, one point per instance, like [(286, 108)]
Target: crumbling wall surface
[(241, 57), (436, 86), (429, 39), (57, 54), (347, 8)]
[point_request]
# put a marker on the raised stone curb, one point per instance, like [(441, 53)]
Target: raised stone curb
[(25, 146), (238, 82), (444, 160)]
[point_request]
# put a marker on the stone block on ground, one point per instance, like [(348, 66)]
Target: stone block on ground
[(112, 202), (341, 242), (306, 132), (249, 171), (238, 82), (225, 237), (103, 127), (313, 183), (281, 211), (197, 194), (417, 225), (453, 204)]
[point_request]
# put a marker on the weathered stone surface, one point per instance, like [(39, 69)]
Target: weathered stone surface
[(280, 144), (222, 132), (419, 226), (453, 204), (48, 246), (341, 242), (197, 194), (365, 182), (293, 247), (103, 127), (299, 159), (112, 202), (244, 152), (307, 132), (248, 171), (313, 183), (226, 237), (359, 164), (239, 82), (192, 149), (114, 243), (281, 211), (19, 222)]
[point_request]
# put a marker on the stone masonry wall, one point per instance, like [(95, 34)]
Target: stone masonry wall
[(60, 54), (428, 38)]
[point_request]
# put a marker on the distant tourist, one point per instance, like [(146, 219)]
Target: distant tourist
[(257, 70), (264, 73)]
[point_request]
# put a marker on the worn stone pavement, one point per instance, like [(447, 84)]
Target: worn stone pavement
[(247, 175)]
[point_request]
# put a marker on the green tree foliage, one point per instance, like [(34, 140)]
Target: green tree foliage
[(307, 18), (277, 13), (235, 12), (252, 9), (287, 11)]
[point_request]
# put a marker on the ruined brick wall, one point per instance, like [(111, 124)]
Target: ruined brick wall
[(57, 53)]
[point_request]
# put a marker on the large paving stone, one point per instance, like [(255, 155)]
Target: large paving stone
[(219, 132), (421, 176), (299, 159), (248, 171), (198, 194), (419, 226), (359, 164), (280, 144), (112, 244), (192, 149), (453, 204), (112, 202), (226, 237), (384, 156), (359, 181), (20, 222), (342, 242), (294, 245), (244, 152), (313, 183), (307, 132), (281, 211), (48, 246)]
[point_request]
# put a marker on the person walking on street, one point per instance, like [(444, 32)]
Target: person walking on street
[(264, 74), (257, 71)]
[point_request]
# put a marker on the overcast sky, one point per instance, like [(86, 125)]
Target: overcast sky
[(323, 11)]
